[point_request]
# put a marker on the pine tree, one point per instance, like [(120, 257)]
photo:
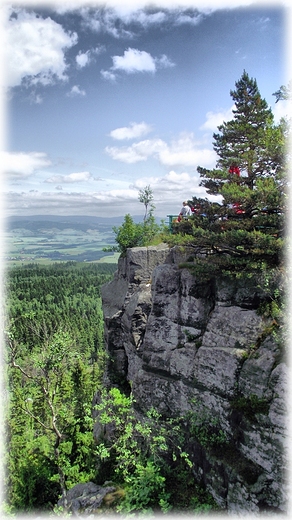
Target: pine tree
[(245, 229)]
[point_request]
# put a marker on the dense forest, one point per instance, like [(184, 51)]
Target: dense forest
[(55, 356), (55, 362)]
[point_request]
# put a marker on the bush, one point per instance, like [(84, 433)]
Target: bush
[(130, 234)]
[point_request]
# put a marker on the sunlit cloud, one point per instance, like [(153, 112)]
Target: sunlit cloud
[(184, 151), (134, 61), (20, 165), (214, 119), (136, 152), (34, 49), (132, 131), (71, 177)]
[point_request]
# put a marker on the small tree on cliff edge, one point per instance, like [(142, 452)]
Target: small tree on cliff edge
[(245, 230)]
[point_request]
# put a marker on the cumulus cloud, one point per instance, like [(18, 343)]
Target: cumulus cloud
[(70, 178), (21, 165), (136, 152), (131, 132), (185, 151), (214, 119), (34, 49), (76, 91), (134, 61)]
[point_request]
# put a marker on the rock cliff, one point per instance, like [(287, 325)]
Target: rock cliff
[(182, 344)]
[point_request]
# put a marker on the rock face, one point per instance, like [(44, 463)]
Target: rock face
[(187, 345)]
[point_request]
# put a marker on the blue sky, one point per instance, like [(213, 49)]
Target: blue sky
[(103, 99)]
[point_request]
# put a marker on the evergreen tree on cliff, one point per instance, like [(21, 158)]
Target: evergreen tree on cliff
[(245, 229)]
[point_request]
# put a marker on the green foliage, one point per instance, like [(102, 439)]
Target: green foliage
[(148, 458), (145, 490), (130, 234), (251, 405), (57, 424), (145, 456), (54, 354), (146, 198), (274, 307), (206, 429)]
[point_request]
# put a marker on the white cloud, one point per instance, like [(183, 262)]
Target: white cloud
[(164, 62), (131, 132), (34, 49), (76, 91), (83, 59), (127, 155), (187, 152), (70, 178), (214, 119), (145, 18), (169, 191), (170, 12), (137, 152), (20, 165), (106, 74), (282, 109), (186, 18), (184, 151), (134, 60)]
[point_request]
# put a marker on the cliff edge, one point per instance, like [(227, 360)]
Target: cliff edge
[(181, 345)]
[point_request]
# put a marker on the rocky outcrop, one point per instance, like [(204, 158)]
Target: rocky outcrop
[(86, 499), (182, 344)]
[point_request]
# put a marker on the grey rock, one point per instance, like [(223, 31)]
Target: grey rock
[(181, 344), (84, 499)]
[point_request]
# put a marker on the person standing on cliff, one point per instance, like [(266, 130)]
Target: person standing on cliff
[(185, 211)]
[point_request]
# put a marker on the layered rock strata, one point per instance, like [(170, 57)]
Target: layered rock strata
[(182, 344)]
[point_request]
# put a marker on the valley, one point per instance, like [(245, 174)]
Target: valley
[(47, 239)]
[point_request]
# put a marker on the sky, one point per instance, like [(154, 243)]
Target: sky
[(101, 100)]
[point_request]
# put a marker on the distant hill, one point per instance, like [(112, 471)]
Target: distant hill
[(80, 223)]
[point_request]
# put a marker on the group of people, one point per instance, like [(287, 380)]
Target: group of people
[(185, 211)]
